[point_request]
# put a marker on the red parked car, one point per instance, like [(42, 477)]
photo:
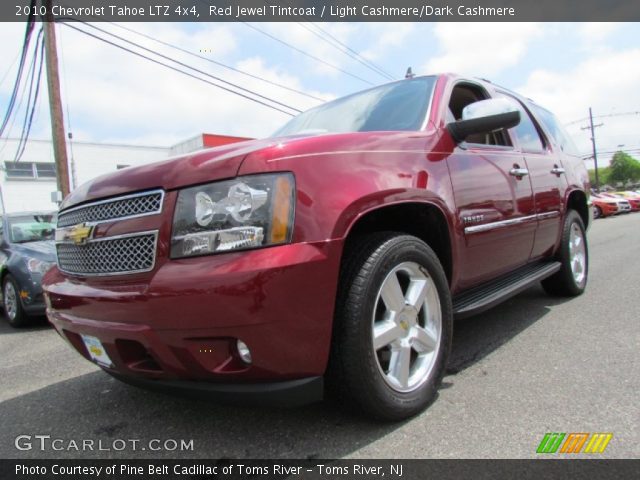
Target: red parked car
[(336, 253), (634, 202), (604, 206)]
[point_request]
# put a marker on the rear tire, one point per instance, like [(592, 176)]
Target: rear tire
[(12, 304), (571, 279), (393, 326)]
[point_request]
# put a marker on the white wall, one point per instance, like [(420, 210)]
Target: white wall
[(190, 145), (88, 160)]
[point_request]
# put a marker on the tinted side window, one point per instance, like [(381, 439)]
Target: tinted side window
[(526, 131), (556, 130)]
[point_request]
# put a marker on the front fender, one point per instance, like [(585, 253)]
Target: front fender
[(376, 201), (334, 189)]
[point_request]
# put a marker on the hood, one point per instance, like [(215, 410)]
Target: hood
[(43, 250), (205, 165), (224, 162)]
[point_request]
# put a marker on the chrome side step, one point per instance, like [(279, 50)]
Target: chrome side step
[(482, 298)]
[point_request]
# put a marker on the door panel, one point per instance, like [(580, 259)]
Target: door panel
[(548, 189), (495, 210)]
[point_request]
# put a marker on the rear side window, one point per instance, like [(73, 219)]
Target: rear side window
[(557, 131), (526, 131)]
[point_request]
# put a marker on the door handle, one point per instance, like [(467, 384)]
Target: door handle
[(519, 172), (556, 170)]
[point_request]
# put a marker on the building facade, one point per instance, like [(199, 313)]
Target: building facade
[(29, 183)]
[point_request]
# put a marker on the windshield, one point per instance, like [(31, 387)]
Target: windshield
[(398, 106), (32, 228)]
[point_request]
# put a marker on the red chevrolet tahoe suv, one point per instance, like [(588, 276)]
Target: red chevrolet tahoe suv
[(335, 254)]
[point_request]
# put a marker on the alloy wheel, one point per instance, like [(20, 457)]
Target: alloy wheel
[(577, 254), (10, 300), (406, 327)]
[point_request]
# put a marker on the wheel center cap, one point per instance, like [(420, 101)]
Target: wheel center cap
[(408, 318)]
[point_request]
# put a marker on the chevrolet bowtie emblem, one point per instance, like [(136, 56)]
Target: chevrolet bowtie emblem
[(79, 234)]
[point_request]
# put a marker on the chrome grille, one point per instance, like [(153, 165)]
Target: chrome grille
[(147, 203), (132, 253)]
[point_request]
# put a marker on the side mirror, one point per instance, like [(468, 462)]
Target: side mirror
[(485, 116)]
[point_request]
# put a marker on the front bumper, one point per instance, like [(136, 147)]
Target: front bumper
[(34, 309), (291, 393), (179, 324), (624, 209), (31, 295), (608, 210)]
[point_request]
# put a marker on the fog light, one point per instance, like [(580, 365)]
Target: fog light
[(243, 351)]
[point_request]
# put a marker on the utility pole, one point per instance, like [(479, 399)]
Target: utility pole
[(55, 104), (591, 126)]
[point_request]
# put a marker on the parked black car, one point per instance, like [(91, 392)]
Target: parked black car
[(27, 251)]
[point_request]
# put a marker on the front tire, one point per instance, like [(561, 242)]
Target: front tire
[(571, 279), (12, 304), (393, 326), (597, 212)]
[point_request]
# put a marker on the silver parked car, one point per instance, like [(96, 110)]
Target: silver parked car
[(27, 251)]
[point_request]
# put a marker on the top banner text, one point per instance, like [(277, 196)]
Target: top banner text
[(319, 10)]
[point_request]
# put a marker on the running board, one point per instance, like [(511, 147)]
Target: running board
[(488, 295)]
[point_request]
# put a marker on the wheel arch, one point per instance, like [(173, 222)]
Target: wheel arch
[(424, 220), (4, 271), (577, 200)]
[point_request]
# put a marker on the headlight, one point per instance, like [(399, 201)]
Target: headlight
[(38, 266), (246, 212)]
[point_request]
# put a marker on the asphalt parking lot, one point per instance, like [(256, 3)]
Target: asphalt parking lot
[(532, 365)]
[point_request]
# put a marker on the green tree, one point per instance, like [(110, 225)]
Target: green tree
[(623, 169), (603, 176)]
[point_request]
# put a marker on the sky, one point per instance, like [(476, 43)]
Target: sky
[(113, 96)]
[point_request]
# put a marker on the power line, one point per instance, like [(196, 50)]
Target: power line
[(307, 54), (23, 58), (215, 62), (337, 44), (6, 74), (609, 152), (603, 116), (182, 71), (18, 106), (30, 80), (178, 70), (206, 2), (380, 69), (350, 53), (34, 106), (18, 94), (192, 68), (28, 116)]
